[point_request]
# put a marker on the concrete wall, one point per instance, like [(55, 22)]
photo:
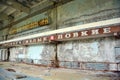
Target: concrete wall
[(17, 52), (96, 50), (89, 53), (76, 12), (33, 54), (85, 11), (3, 54)]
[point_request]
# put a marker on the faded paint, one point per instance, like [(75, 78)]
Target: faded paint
[(17, 52), (3, 54), (84, 11), (73, 13), (48, 52), (35, 53), (76, 12), (88, 50)]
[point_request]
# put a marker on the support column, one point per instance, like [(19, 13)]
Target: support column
[(3, 55), (0, 55), (56, 62)]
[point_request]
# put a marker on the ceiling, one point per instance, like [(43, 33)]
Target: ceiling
[(11, 10)]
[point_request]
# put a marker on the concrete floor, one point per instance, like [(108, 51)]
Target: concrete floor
[(47, 73)]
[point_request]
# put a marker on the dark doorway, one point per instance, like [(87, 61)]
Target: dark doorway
[(8, 54)]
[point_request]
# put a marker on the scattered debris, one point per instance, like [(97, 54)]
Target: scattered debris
[(11, 74), (11, 70), (20, 76)]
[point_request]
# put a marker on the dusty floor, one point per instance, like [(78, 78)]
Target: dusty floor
[(47, 73)]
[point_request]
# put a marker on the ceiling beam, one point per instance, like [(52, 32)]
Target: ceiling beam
[(19, 6), (3, 16), (1, 23), (41, 5), (16, 5), (37, 12)]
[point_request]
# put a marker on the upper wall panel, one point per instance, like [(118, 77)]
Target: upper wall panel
[(30, 25), (86, 11)]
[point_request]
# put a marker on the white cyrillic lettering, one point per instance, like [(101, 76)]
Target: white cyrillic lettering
[(106, 30), (60, 36), (30, 40), (75, 34), (39, 39), (67, 35), (96, 31), (26, 41), (19, 42), (44, 38), (34, 40), (84, 33)]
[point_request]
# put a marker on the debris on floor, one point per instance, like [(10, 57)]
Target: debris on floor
[(21, 71), (11, 70), (11, 74)]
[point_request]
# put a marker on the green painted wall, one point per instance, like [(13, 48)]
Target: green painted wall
[(73, 13), (86, 11)]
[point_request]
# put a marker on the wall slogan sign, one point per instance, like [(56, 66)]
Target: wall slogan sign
[(32, 25), (89, 33)]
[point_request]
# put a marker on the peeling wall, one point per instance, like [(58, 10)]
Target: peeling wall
[(83, 50), (3, 54), (96, 50), (76, 12), (17, 52), (32, 53)]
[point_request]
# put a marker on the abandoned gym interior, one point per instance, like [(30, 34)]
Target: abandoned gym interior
[(59, 39)]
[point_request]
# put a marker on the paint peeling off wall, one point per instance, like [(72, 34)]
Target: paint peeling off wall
[(48, 52), (88, 50), (3, 54), (41, 52), (17, 52), (37, 54)]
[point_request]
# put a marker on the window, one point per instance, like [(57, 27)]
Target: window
[(117, 53)]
